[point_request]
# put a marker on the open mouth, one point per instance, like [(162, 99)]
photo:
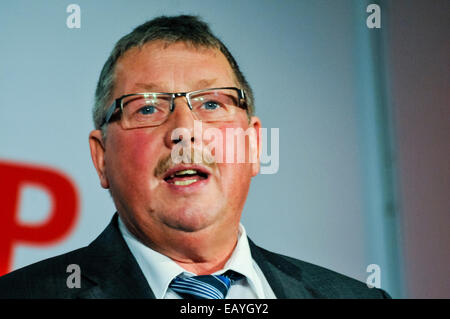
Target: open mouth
[(185, 177)]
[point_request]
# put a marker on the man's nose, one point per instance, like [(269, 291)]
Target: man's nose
[(181, 123)]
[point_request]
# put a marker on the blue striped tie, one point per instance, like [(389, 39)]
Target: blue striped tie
[(202, 287)]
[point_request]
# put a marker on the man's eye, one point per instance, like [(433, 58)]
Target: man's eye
[(212, 106), (147, 110)]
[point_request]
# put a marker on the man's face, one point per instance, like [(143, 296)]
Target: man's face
[(134, 163)]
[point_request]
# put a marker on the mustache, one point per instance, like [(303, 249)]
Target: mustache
[(167, 162)]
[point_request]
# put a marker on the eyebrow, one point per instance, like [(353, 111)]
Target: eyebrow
[(155, 87)]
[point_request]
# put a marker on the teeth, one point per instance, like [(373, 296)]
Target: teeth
[(185, 172), (186, 182)]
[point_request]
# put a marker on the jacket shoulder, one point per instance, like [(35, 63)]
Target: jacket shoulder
[(321, 282), (43, 279)]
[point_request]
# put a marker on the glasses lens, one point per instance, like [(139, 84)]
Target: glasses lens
[(145, 109), (215, 105)]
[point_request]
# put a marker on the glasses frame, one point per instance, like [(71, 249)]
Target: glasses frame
[(118, 103)]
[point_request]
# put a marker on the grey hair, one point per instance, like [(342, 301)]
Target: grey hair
[(183, 28)]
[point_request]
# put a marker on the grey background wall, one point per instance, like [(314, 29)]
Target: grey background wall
[(419, 50), (317, 73)]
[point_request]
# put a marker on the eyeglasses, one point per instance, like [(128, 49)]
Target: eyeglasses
[(153, 109)]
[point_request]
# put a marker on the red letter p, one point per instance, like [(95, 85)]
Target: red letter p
[(62, 215)]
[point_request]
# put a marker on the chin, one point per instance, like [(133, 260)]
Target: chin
[(190, 220)]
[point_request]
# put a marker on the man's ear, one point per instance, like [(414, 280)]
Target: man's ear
[(97, 147), (255, 144)]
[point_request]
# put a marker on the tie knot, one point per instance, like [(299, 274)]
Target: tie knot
[(205, 286)]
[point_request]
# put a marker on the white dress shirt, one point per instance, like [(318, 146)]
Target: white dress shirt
[(160, 270)]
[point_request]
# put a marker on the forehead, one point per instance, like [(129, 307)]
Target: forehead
[(161, 67)]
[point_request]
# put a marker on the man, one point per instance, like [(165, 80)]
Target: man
[(176, 233)]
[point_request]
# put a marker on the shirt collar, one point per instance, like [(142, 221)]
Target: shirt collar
[(242, 262), (160, 270)]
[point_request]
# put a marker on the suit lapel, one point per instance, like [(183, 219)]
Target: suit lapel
[(109, 264), (283, 276)]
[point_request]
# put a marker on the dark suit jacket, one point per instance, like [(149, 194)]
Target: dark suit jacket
[(109, 270)]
